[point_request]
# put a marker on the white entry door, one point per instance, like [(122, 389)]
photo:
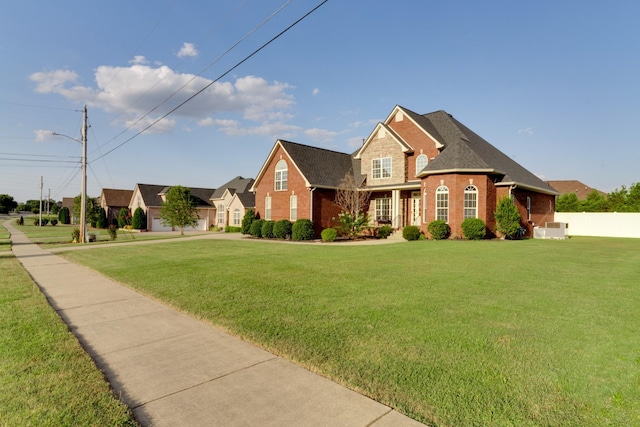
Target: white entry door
[(415, 208)]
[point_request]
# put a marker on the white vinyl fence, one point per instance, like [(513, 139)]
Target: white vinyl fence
[(601, 224)]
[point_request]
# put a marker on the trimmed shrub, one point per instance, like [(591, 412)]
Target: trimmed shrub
[(411, 232), (474, 229), (438, 229), (267, 229), (282, 229), (232, 229), (54, 222), (247, 220), (101, 220), (139, 221), (507, 218), (256, 228), (122, 217), (302, 229), (329, 234), (63, 216), (385, 231)]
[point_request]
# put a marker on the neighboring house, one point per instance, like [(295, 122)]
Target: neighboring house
[(150, 199), (222, 198), (418, 168), (112, 201), (572, 186), (239, 204)]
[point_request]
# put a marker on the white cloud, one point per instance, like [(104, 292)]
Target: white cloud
[(320, 134), (355, 142), (315, 91), (188, 49), (139, 60), (528, 131), (43, 135), (138, 89)]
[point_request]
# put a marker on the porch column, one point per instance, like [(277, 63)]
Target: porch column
[(395, 208)]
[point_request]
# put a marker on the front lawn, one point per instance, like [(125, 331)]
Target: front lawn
[(46, 378), (452, 333)]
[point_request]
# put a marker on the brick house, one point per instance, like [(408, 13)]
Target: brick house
[(112, 201), (417, 168)]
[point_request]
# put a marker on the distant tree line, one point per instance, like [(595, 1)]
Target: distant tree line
[(619, 200)]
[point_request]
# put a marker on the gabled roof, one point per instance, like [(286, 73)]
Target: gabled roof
[(150, 194), (248, 199), (573, 186), (202, 196), (114, 197), (465, 151), (420, 121), (406, 148), (236, 185), (318, 166)]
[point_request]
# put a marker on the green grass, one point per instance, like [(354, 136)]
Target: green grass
[(452, 333), (5, 242), (46, 378)]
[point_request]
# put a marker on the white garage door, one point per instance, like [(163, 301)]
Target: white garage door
[(202, 225), (156, 225)]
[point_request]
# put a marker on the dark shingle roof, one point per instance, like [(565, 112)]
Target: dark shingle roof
[(151, 194), (236, 185), (114, 197), (321, 167), (248, 199), (464, 150)]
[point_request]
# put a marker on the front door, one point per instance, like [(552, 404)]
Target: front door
[(415, 208)]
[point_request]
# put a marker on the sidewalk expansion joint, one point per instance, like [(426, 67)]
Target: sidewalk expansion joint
[(372, 423)]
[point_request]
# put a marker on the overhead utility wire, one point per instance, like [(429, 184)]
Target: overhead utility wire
[(252, 54), (139, 119)]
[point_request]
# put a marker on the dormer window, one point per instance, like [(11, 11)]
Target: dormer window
[(282, 177)]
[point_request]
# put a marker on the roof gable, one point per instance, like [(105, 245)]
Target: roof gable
[(406, 148), (237, 184), (113, 197), (419, 121)]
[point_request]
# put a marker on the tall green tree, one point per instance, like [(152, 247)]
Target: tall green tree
[(568, 202), (139, 221), (595, 202), (64, 216), (179, 210), (633, 198), (507, 218), (92, 212), (123, 217), (7, 203)]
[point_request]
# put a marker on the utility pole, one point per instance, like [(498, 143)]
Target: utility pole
[(40, 210), (83, 208)]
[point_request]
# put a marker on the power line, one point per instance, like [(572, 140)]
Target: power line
[(218, 78)]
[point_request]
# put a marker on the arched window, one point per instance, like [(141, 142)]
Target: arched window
[(282, 173), (421, 162), (470, 202), (442, 203)]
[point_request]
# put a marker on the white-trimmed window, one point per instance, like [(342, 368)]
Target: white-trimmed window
[(267, 208), (293, 208), (528, 208), (381, 168), (421, 162), (470, 202), (237, 220), (282, 175), (220, 214), (383, 209), (424, 207), (442, 203)]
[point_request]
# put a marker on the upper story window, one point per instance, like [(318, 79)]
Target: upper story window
[(282, 175), (381, 168), (470, 202), (442, 203), (421, 162)]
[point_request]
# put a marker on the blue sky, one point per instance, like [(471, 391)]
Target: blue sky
[(552, 84)]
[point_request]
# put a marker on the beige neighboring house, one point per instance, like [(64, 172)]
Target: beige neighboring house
[(150, 197), (112, 201), (223, 197)]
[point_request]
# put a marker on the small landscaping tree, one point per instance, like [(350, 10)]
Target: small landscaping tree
[(63, 216), (302, 229), (247, 220), (282, 229), (179, 210), (139, 221), (101, 218), (353, 201), (507, 218), (473, 229), (123, 217)]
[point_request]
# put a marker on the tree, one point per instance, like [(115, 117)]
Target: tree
[(101, 215), (123, 217), (139, 221), (91, 210), (633, 198), (7, 204), (507, 217), (568, 203), (179, 210), (63, 216), (353, 203), (595, 202), (247, 220)]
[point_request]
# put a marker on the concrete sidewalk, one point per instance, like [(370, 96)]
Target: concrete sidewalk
[(173, 370)]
